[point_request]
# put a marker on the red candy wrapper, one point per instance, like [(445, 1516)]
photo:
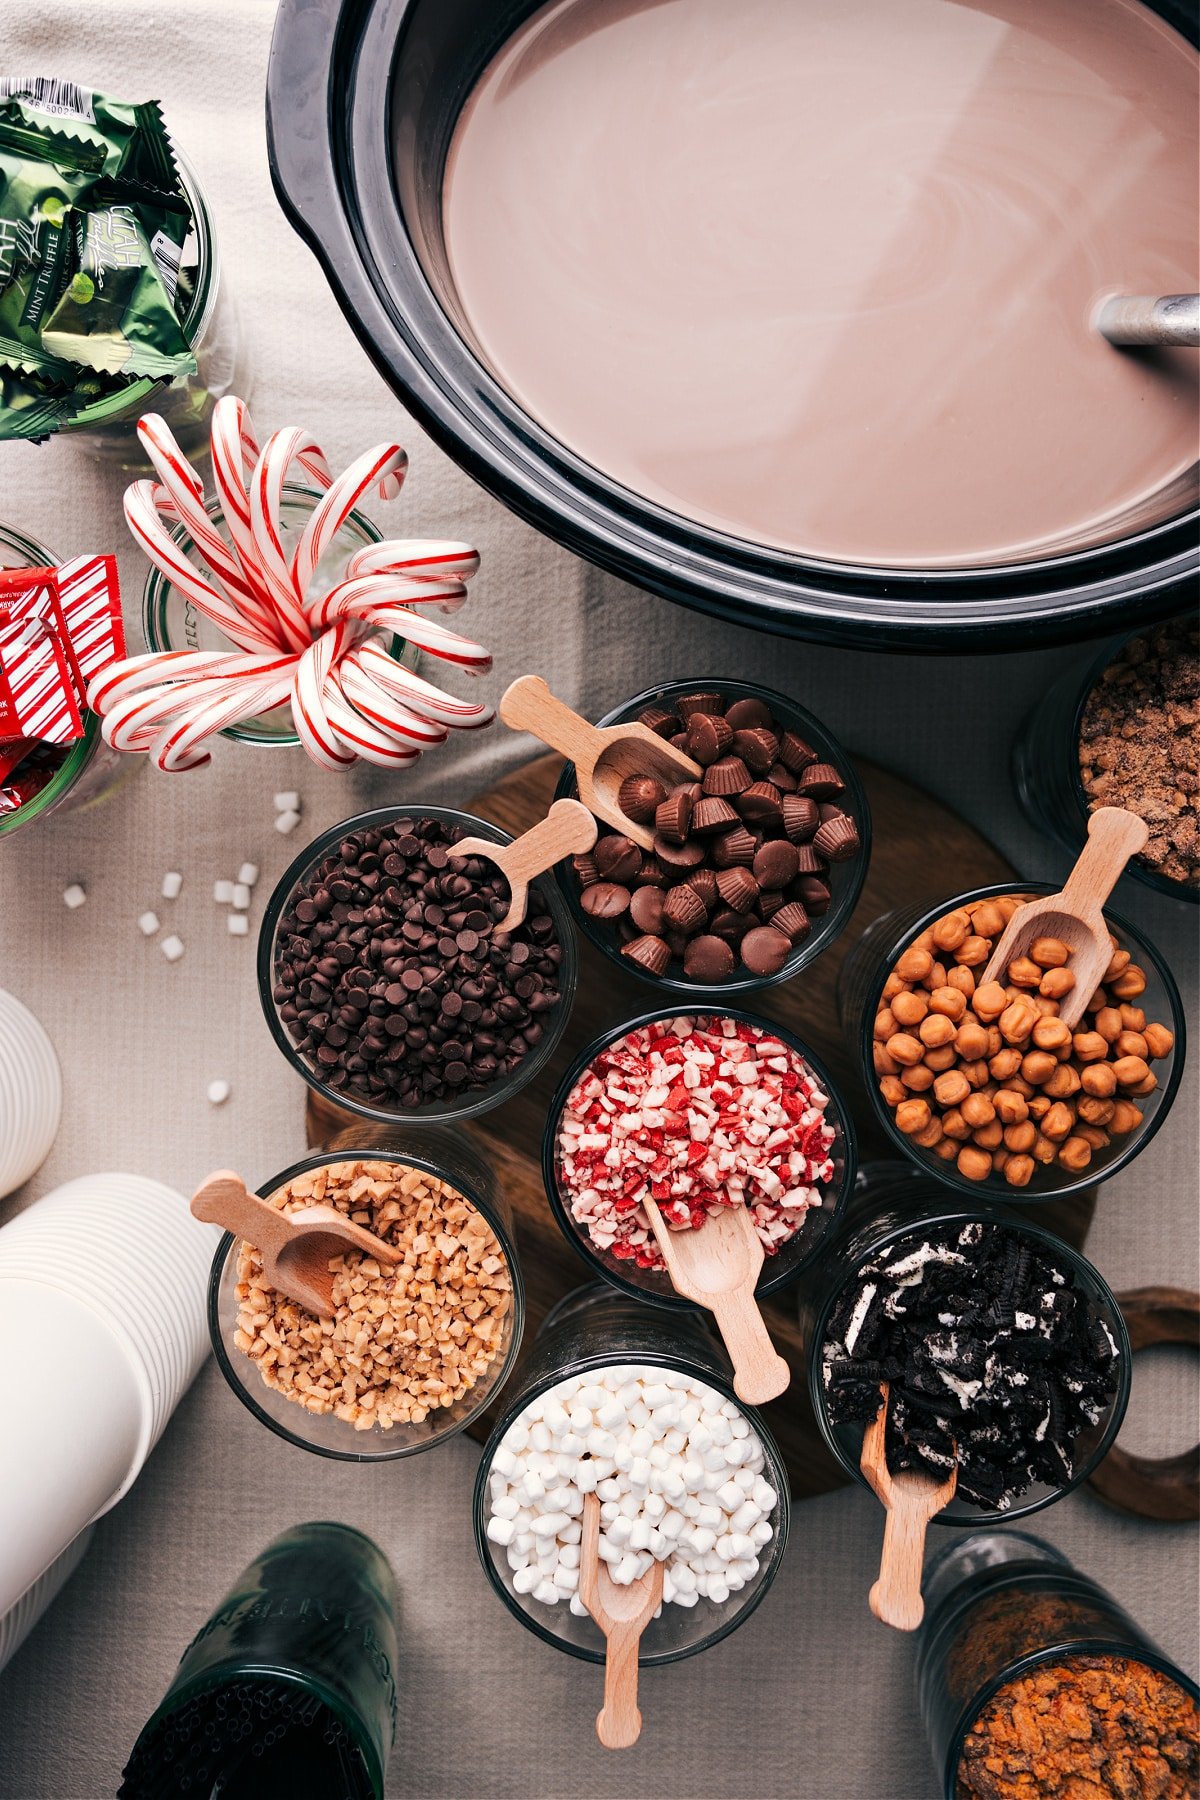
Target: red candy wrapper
[(90, 597), (37, 689), (58, 628)]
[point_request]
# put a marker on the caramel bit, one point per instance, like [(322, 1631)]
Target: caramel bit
[(1085, 1728), (404, 1340)]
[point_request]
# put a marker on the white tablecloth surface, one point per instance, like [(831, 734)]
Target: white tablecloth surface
[(812, 1698)]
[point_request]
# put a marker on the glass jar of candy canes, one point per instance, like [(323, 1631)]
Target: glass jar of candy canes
[(50, 778)]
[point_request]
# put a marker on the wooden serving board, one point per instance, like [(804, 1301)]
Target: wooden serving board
[(920, 850)]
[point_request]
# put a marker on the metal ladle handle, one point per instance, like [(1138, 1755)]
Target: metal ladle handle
[(1172, 320)]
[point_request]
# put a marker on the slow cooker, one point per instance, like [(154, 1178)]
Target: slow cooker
[(363, 99)]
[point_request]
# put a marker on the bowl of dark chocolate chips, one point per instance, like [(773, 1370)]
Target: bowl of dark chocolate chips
[(757, 865), (1005, 1352), (385, 982)]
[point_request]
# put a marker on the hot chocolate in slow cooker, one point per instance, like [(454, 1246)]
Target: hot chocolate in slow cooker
[(784, 310)]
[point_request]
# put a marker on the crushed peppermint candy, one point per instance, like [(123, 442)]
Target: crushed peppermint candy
[(698, 1112)]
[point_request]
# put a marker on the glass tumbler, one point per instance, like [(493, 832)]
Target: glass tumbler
[(170, 621), (998, 1605), (845, 878), (1045, 766), (89, 769), (895, 1206), (655, 1285), (593, 1329), (290, 1685), (468, 1102), (860, 985), (454, 1160)]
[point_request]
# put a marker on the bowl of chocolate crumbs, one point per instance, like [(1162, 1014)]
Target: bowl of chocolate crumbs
[(385, 979), (414, 1350), (1004, 1350)]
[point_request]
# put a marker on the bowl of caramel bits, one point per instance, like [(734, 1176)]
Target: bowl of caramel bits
[(984, 1083)]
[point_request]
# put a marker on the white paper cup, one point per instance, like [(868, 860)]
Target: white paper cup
[(73, 1423), (30, 1094), (130, 1249), (19, 1621)]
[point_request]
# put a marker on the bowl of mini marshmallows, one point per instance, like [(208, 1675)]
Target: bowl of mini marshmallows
[(697, 1110), (415, 1350), (638, 1409)]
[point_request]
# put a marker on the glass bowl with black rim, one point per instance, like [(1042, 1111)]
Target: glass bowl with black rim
[(438, 1152), (844, 879), (588, 1331), (860, 987), (465, 1101), (793, 1255), (893, 1207), (1046, 771)]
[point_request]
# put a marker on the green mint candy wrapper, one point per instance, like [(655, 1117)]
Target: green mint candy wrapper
[(120, 139), (33, 409), (114, 313)]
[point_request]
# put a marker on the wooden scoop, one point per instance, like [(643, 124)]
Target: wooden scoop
[(717, 1266), (622, 1613), (296, 1248), (910, 1500), (602, 757), (1075, 916), (568, 829)]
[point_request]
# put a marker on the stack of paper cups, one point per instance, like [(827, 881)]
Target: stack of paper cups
[(102, 1301), (17, 1624), (30, 1094)]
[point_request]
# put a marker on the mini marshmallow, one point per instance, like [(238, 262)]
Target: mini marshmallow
[(218, 1093), (248, 873), (237, 924), (241, 896), (172, 883), (287, 802), (148, 924), (172, 948), (223, 892), (287, 821), (73, 896)]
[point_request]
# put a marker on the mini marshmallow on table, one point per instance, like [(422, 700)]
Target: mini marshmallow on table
[(678, 1470)]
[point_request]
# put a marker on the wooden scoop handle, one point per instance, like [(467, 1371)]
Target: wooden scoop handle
[(1114, 835), (759, 1372), (619, 1721), (224, 1199), (896, 1597), (568, 829), (528, 705)]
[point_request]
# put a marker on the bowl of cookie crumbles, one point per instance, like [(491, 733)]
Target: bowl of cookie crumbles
[(415, 1350)]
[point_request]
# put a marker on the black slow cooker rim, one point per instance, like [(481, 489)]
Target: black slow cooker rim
[(329, 129)]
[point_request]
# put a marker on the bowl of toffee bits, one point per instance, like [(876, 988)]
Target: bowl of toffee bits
[(757, 864), (981, 1083), (385, 982)]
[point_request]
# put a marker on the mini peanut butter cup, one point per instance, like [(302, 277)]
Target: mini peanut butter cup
[(646, 909), (820, 781), (762, 804), (605, 900), (728, 776), (708, 737), (737, 888), (712, 814), (585, 870), (639, 797), (684, 910), (783, 778), (810, 863), (792, 920), (775, 863), (659, 721), (800, 817), (687, 704), (764, 950), (617, 857), (705, 883), (729, 925), (748, 714), (652, 953), (708, 959), (794, 753), (736, 846), (813, 894), (758, 748), (673, 817), (837, 839), (678, 856)]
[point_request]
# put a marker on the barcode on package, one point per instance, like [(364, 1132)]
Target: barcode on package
[(64, 99), (167, 256)]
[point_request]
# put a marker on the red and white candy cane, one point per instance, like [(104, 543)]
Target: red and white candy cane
[(421, 559), (382, 467), (186, 491), (155, 668), (374, 702), (414, 692), (142, 517), (282, 449), (386, 600), (313, 724), (234, 455)]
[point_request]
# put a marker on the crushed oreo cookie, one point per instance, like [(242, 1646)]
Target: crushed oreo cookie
[(994, 1356)]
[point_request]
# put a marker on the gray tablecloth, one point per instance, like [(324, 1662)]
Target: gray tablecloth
[(812, 1698)]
